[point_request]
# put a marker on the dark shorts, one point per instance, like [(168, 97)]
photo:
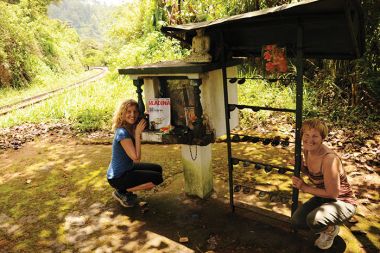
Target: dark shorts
[(141, 173)]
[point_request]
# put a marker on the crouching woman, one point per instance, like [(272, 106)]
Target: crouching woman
[(126, 173), (333, 201)]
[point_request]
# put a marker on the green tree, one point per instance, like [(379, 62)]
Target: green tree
[(32, 45)]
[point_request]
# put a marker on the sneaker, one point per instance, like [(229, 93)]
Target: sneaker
[(326, 239), (131, 195), (124, 199)]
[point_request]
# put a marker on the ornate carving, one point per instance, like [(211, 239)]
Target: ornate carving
[(199, 129), (138, 83)]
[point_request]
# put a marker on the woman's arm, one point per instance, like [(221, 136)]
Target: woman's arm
[(138, 131), (130, 149), (304, 170), (134, 151), (330, 169), (303, 164)]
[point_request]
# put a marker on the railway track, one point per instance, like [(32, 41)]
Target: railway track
[(41, 97)]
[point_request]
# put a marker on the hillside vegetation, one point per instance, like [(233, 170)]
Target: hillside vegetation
[(34, 47)]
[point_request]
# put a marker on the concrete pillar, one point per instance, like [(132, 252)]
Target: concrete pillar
[(196, 161)]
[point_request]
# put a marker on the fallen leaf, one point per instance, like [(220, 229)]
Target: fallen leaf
[(143, 203), (183, 239)]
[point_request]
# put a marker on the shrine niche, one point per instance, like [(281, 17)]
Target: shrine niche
[(197, 118), (181, 95), (196, 96)]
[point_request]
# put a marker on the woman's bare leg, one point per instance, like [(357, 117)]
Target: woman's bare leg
[(146, 186)]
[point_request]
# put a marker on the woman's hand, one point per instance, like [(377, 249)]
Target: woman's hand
[(140, 127), (298, 183)]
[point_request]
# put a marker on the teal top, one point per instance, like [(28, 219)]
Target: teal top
[(120, 161)]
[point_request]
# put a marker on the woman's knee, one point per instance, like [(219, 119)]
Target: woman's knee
[(158, 168), (296, 221), (316, 220), (158, 180), (155, 167)]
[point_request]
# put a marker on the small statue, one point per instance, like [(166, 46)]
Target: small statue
[(199, 49)]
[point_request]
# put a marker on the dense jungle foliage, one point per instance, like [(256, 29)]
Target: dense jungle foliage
[(33, 47)]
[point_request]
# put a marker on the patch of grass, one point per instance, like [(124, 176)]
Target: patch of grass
[(263, 93), (10, 95), (88, 108)]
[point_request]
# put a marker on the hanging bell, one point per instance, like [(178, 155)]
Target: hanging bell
[(234, 161), (284, 200), (231, 107), (255, 108), (246, 190), (245, 138), (233, 80), (235, 138), (274, 197), (254, 139), (286, 82), (268, 168), (237, 188), (262, 194), (281, 171), (246, 164), (285, 143), (241, 81), (257, 166), (276, 141), (266, 141)]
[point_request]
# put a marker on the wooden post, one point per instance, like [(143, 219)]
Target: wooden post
[(138, 83), (227, 117), (198, 126), (299, 93)]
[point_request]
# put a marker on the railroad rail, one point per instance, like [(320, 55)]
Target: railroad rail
[(41, 97)]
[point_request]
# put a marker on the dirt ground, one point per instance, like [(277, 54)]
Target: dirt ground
[(55, 198)]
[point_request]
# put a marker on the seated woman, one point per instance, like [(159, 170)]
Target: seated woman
[(333, 201), (126, 173)]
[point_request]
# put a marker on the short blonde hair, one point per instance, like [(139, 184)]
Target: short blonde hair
[(316, 124), (119, 115)]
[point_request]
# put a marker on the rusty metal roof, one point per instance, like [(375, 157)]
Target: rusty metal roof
[(332, 29)]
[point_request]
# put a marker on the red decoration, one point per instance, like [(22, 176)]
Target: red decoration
[(275, 59)]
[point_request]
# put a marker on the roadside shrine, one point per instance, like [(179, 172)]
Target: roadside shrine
[(318, 29)]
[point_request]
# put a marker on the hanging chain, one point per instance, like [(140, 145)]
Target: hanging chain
[(191, 152)]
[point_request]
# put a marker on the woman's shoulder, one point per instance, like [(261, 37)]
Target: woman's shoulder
[(329, 153), (331, 160), (122, 131)]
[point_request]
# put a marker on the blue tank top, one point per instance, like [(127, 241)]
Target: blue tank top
[(120, 161)]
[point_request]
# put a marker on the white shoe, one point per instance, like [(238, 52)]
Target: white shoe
[(326, 239)]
